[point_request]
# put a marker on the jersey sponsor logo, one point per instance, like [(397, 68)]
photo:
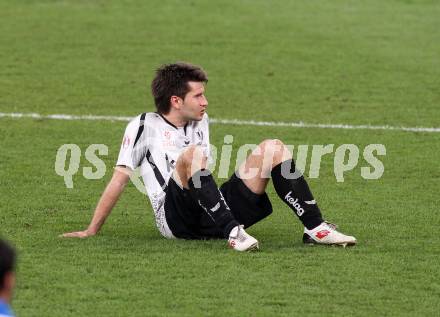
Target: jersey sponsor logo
[(168, 139), (126, 142), (294, 203), (310, 202)]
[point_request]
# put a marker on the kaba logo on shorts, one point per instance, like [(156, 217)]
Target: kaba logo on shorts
[(295, 204)]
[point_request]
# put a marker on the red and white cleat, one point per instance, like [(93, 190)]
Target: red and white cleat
[(326, 233), (240, 240)]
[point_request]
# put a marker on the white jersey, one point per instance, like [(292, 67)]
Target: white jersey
[(153, 144)]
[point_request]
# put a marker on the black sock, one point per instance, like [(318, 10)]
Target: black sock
[(295, 192), (205, 191)]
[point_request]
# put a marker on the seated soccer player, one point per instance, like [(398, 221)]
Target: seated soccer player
[(171, 148), (7, 278)]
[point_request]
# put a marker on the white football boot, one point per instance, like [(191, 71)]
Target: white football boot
[(241, 241), (326, 233)]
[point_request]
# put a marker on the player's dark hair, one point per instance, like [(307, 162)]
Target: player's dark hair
[(7, 260), (172, 80)]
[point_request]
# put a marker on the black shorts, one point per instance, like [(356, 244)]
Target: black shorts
[(187, 219)]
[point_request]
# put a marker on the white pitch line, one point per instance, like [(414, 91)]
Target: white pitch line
[(63, 116), (229, 122), (322, 125)]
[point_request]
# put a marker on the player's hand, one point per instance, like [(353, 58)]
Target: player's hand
[(78, 234)]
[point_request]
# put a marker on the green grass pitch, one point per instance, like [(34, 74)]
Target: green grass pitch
[(353, 62)]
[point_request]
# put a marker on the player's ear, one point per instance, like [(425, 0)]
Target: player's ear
[(176, 102)]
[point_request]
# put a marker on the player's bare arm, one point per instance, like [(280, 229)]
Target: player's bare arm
[(106, 203)]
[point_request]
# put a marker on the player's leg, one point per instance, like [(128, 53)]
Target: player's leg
[(272, 159), (255, 171), (192, 174), (265, 162)]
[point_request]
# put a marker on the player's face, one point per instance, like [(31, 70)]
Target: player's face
[(195, 102)]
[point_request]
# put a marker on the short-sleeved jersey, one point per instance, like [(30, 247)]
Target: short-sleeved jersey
[(153, 144)]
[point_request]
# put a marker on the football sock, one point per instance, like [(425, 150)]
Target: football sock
[(205, 191), (296, 194)]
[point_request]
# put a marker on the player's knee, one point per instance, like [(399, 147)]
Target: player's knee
[(185, 157), (273, 145), (190, 154), (275, 148)]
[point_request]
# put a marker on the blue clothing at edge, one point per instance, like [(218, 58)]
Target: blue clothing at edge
[(5, 310)]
